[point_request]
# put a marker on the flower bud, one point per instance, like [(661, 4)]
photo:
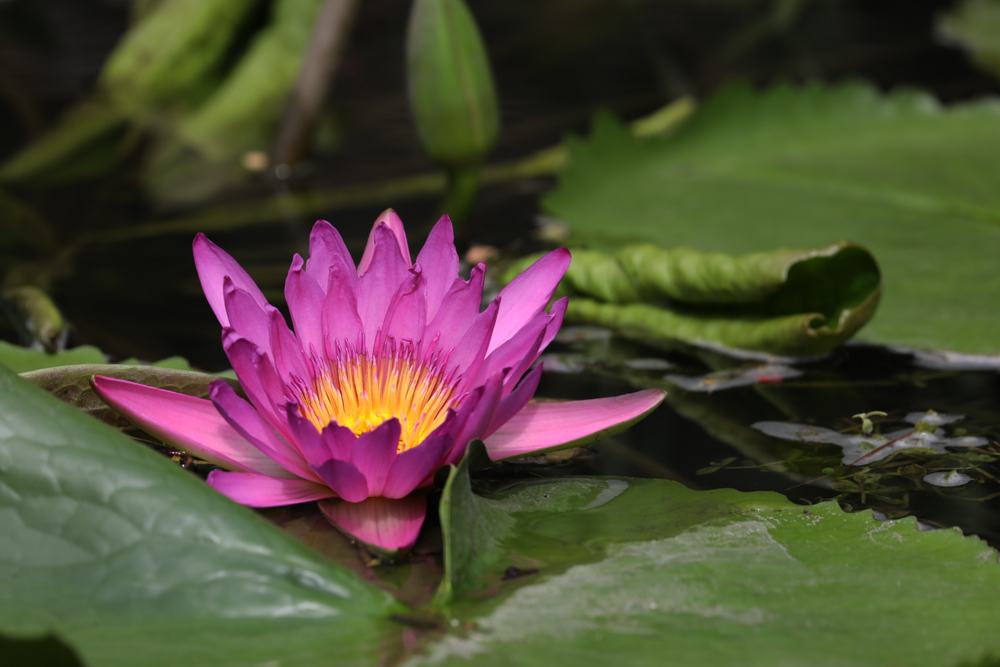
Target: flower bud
[(451, 87)]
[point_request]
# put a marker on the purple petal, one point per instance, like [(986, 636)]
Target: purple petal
[(408, 310), (256, 490), (374, 453), (459, 309), (327, 252), (394, 224), (259, 380), (287, 353), (339, 313), (345, 479), (542, 427), (214, 265), (246, 317), (305, 304), (335, 442), (377, 287), (246, 421), (515, 400), (482, 416), (470, 355), (440, 263), (389, 525), (191, 424), (528, 294)]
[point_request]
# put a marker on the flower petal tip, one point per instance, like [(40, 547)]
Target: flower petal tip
[(387, 527)]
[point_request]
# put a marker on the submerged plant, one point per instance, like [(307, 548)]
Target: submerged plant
[(391, 371)]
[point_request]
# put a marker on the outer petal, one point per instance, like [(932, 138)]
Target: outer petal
[(246, 421), (388, 525), (458, 311), (392, 221), (255, 490), (515, 400), (528, 294), (248, 319), (191, 424), (214, 264), (549, 426), (258, 378), (440, 262)]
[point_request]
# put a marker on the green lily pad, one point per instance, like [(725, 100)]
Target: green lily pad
[(791, 302), (659, 573), (122, 555), (805, 167)]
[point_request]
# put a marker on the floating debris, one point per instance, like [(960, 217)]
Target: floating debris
[(865, 449), (950, 478), (736, 377), (932, 417)]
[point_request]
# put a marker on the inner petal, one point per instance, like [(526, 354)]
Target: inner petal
[(362, 390)]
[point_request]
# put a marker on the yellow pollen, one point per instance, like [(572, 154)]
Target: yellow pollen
[(363, 391)]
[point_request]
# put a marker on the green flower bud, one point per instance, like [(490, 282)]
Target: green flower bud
[(452, 95)]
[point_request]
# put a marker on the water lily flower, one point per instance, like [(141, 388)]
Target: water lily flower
[(391, 371)]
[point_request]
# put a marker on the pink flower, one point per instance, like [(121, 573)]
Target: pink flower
[(391, 372)]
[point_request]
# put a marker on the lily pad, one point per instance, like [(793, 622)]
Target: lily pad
[(122, 554), (806, 166), (659, 573)]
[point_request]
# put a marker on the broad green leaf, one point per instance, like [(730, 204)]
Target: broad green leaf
[(795, 302), (659, 573), (975, 25), (806, 167), (22, 360), (126, 555)]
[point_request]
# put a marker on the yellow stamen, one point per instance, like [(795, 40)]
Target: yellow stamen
[(361, 391)]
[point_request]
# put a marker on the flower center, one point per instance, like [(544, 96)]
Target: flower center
[(361, 391)]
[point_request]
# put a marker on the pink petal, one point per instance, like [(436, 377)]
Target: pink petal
[(459, 309), (408, 310), (374, 453), (482, 416), (327, 252), (377, 287), (389, 525), (470, 354), (339, 313), (305, 304), (191, 424), (214, 264), (256, 490), (515, 400), (548, 426), (248, 319), (392, 221), (440, 263), (345, 479), (528, 294), (246, 421), (259, 380), (288, 357)]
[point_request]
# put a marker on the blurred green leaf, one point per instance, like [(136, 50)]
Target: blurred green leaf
[(124, 555), (602, 568), (22, 360), (975, 26), (452, 95), (795, 302), (807, 166)]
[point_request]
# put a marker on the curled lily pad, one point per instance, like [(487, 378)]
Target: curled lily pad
[(787, 302), (948, 479)]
